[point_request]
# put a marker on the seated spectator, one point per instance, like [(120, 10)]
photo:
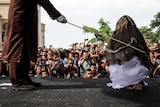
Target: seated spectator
[(102, 66), (104, 70), (71, 69), (157, 71), (44, 74), (88, 74), (38, 71), (92, 72)]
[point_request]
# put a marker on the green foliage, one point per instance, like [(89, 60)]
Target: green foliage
[(93, 40), (152, 33), (156, 22), (102, 34), (105, 28), (147, 33), (87, 29)]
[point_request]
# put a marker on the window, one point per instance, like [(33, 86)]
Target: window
[(4, 26)]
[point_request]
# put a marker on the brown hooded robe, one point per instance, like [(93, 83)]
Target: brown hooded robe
[(126, 31), (20, 41)]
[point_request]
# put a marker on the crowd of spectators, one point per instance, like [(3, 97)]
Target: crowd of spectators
[(155, 58), (79, 61)]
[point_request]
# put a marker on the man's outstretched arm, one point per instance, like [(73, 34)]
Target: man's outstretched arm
[(52, 11)]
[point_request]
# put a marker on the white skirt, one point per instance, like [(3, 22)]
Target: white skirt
[(130, 73)]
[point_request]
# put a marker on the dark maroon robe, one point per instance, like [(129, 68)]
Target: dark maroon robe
[(20, 42)]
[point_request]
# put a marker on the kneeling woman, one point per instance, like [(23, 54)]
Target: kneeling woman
[(128, 67)]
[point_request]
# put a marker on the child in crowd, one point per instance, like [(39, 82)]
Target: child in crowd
[(38, 71), (49, 63)]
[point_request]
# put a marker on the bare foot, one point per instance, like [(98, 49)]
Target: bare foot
[(138, 86), (129, 87), (135, 87)]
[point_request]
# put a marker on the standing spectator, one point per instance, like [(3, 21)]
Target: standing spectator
[(62, 56), (4, 69), (156, 54), (71, 55), (154, 59), (20, 41), (84, 62), (102, 66), (157, 71), (76, 58), (156, 51), (58, 68), (66, 56), (41, 61), (32, 71), (49, 63)]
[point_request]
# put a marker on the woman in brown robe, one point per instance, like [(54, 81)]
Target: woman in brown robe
[(128, 67), (20, 42)]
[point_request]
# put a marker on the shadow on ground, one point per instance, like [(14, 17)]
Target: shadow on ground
[(148, 97), (60, 92)]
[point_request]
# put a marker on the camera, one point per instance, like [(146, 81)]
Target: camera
[(95, 45), (85, 39)]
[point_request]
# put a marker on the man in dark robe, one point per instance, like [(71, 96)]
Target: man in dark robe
[(127, 66), (20, 42)]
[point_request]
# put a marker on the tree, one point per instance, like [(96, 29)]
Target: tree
[(155, 25), (148, 34), (152, 33), (156, 22), (102, 34)]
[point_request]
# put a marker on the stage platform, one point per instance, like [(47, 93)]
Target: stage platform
[(60, 92)]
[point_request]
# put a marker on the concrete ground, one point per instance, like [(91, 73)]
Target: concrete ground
[(60, 92)]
